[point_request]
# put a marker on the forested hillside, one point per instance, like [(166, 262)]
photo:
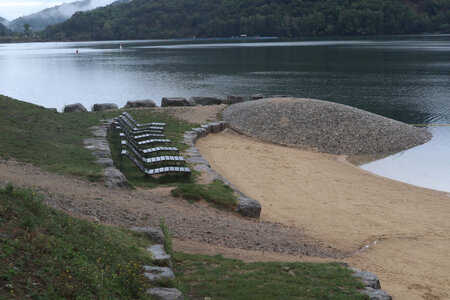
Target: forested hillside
[(142, 19), (3, 30)]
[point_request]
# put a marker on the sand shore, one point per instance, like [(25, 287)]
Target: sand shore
[(407, 227)]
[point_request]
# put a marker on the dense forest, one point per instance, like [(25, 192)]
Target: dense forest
[(4, 31), (144, 19)]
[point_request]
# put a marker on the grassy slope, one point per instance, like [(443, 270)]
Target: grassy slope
[(54, 141), (47, 254), (48, 139)]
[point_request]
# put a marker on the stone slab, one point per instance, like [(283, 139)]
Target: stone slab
[(154, 274), (166, 294)]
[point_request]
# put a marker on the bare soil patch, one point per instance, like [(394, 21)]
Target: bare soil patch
[(198, 221), (195, 114)]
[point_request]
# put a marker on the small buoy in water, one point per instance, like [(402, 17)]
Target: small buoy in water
[(76, 51)]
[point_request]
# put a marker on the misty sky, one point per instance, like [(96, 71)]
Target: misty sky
[(11, 9)]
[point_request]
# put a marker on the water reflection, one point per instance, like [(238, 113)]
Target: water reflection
[(432, 171)]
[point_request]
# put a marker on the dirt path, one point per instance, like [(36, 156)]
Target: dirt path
[(197, 222), (346, 208)]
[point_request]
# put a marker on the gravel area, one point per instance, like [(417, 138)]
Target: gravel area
[(198, 222), (324, 126)]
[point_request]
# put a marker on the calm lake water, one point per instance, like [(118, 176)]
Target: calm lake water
[(404, 78)]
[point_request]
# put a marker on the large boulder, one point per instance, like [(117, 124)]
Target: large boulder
[(104, 106), (177, 101), (376, 294), (280, 96), (77, 107), (369, 279), (233, 99), (140, 103), (205, 100), (249, 207), (256, 97), (115, 179)]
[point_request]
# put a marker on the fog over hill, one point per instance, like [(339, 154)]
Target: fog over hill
[(54, 15), (3, 21)]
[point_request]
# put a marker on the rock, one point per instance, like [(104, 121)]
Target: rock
[(99, 131), (207, 127), (249, 207), (215, 127), (201, 132), (173, 102), (155, 234), (233, 99), (105, 161), (104, 106), (376, 294), (205, 100), (191, 102), (369, 279), (166, 294), (223, 125), (52, 109), (256, 97), (190, 137), (154, 274), (140, 103), (115, 178), (101, 145), (160, 255), (197, 160), (77, 107), (281, 96)]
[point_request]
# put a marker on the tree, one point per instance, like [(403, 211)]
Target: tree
[(27, 30)]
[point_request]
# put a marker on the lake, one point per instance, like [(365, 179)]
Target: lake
[(406, 78)]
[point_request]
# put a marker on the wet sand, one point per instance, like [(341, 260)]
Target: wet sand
[(407, 227)]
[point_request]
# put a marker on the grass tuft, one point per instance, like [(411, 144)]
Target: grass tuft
[(217, 192), (167, 236)]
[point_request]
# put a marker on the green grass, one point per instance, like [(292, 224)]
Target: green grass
[(50, 255), (217, 193), (202, 277), (54, 141), (51, 140)]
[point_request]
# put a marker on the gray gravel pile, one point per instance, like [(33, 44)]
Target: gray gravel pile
[(324, 126)]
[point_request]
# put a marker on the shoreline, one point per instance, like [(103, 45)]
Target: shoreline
[(343, 207)]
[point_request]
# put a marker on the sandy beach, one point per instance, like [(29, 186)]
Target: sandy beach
[(400, 232)]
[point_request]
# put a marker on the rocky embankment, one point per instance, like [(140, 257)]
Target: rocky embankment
[(324, 126)]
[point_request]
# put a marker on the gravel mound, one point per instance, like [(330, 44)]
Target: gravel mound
[(324, 126)]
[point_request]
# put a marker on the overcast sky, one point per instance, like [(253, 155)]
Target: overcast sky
[(11, 9)]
